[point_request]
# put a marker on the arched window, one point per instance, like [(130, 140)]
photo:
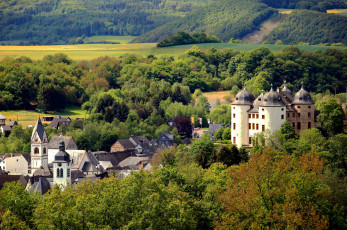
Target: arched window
[(61, 173), (36, 150), (44, 150), (58, 174)]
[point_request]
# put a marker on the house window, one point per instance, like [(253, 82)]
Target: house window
[(253, 126), (263, 128), (309, 125), (36, 151), (309, 114), (250, 140), (282, 116), (299, 125), (58, 172), (61, 173), (234, 140), (288, 114), (253, 115), (234, 126), (249, 126), (263, 117), (249, 115), (234, 115), (257, 116), (257, 126)]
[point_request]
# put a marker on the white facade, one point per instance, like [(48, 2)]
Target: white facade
[(61, 173), (39, 147)]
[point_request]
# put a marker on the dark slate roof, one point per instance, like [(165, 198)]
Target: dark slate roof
[(39, 128), (272, 99), (55, 141), (76, 174), (42, 171), (213, 128), (168, 135), (302, 97), (126, 143), (243, 98), (59, 120), (132, 161), (11, 178), (115, 158), (138, 140), (89, 167), (42, 186), (62, 155), (92, 158)]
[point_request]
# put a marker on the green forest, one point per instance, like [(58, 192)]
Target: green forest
[(310, 27), (43, 22)]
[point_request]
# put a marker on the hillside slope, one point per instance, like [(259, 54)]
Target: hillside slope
[(226, 19), (311, 27), (56, 21)]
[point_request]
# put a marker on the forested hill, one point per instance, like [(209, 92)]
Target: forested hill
[(57, 21), (311, 27), (226, 19)]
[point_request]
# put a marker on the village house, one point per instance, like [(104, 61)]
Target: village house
[(166, 140), (122, 145), (18, 164), (59, 121), (53, 146), (213, 128), (2, 120), (250, 115), (6, 129)]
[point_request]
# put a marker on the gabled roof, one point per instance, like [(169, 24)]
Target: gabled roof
[(213, 128), (59, 120), (168, 135), (42, 186), (132, 161), (6, 128), (12, 123), (11, 178), (2, 117), (92, 159), (126, 143), (55, 140), (115, 158), (39, 129), (138, 140)]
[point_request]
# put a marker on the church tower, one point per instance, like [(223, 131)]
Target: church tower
[(39, 147), (62, 167)]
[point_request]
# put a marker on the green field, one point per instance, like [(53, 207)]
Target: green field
[(119, 39), (92, 51), (25, 117)]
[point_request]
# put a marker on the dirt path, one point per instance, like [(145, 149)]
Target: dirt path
[(265, 28)]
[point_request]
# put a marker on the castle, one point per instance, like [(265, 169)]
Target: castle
[(250, 115)]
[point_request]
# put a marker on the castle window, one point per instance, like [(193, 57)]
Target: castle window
[(263, 117), (61, 173), (309, 107), (299, 125), (68, 173), (253, 126), (253, 115), (249, 125), (263, 128), (250, 140), (262, 109), (309, 114), (282, 116), (234, 140), (298, 114), (257, 116), (58, 172), (288, 114), (234, 126), (298, 107), (309, 125), (257, 126), (282, 109), (293, 124), (233, 107), (234, 115), (36, 150), (249, 115)]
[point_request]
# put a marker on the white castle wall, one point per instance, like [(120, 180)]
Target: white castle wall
[(241, 121)]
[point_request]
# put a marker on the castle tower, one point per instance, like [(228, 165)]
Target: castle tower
[(239, 118), (304, 106), (272, 111), (39, 147), (62, 167)]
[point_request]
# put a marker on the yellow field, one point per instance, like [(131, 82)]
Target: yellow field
[(213, 96), (77, 52), (286, 12), (336, 11)]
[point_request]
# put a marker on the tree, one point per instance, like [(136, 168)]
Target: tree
[(51, 98), (288, 131), (227, 155), (331, 116), (202, 150), (336, 157), (219, 134), (227, 134), (183, 126), (277, 191)]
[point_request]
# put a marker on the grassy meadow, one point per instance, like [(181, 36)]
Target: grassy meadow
[(119, 39), (25, 117), (92, 51)]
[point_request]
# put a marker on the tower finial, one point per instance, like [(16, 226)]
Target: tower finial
[(302, 85), (271, 87)]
